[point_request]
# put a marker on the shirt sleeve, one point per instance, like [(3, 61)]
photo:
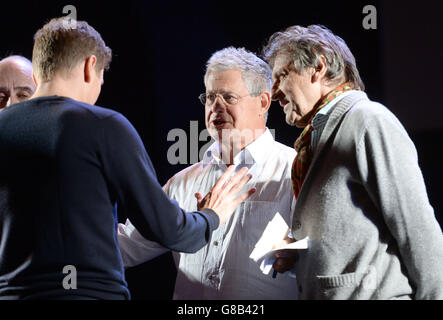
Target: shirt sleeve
[(134, 248), (133, 183), (389, 166)]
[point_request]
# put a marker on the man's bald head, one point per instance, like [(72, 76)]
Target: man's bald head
[(16, 83)]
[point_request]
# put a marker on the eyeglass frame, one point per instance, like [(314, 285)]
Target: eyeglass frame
[(204, 96)]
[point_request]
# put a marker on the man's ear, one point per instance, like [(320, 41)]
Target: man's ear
[(89, 68), (34, 78), (319, 72), (265, 99)]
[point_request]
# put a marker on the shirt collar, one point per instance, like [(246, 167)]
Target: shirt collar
[(256, 151), (323, 113)]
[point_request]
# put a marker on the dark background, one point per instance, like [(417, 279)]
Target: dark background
[(160, 49)]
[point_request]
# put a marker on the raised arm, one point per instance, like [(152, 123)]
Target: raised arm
[(134, 184)]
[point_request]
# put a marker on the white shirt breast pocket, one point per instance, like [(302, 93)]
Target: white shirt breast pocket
[(256, 215)]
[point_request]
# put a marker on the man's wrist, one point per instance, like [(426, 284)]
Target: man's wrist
[(214, 220)]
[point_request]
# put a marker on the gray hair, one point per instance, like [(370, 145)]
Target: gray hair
[(255, 72), (304, 45)]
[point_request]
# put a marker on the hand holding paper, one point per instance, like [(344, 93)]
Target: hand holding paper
[(271, 241)]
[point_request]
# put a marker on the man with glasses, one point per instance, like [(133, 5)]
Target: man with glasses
[(236, 102)]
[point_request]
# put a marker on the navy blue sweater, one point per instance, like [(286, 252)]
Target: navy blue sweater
[(64, 168)]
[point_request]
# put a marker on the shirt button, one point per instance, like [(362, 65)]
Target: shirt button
[(214, 280), (300, 288), (215, 243)]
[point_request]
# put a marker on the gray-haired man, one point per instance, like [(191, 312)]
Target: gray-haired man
[(360, 193), (237, 99)]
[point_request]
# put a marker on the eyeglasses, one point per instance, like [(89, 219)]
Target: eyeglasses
[(227, 97)]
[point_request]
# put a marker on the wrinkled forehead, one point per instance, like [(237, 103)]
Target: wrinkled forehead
[(225, 80), (15, 73), (281, 62)]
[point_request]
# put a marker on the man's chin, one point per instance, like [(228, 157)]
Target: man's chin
[(295, 121), (218, 133), (300, 124), (292, 121)]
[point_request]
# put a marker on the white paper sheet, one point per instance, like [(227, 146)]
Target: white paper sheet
[(264, 251)]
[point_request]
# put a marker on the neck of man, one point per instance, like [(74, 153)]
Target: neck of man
[(234, 144), (324, 91), (59, 86)]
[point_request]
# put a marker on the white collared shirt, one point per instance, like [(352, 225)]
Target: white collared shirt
[(222, 269)]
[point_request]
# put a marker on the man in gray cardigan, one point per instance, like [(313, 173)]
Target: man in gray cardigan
[(360, 193)]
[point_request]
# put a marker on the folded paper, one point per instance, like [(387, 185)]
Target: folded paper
[(271, 241)]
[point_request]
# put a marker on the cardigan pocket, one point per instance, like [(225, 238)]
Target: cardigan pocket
[(343, 280), (368, 279), (355, 285), (338, 287)]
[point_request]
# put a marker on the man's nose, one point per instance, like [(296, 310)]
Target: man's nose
[(218, 104), (275, 91), (277, 94), (10, 101)]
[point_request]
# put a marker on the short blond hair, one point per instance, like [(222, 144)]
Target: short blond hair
[(60, 47)]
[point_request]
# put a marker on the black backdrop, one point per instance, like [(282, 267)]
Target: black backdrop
[(160, 49)]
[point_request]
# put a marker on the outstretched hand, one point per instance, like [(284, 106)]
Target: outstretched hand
[(222, 198)]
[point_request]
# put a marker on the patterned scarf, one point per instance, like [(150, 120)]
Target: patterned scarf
[(302, 145)]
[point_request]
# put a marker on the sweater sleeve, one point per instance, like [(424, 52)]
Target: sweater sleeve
[(388, 162), (134, 184)]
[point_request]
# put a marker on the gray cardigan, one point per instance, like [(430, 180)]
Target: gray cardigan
[(373, 233)]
